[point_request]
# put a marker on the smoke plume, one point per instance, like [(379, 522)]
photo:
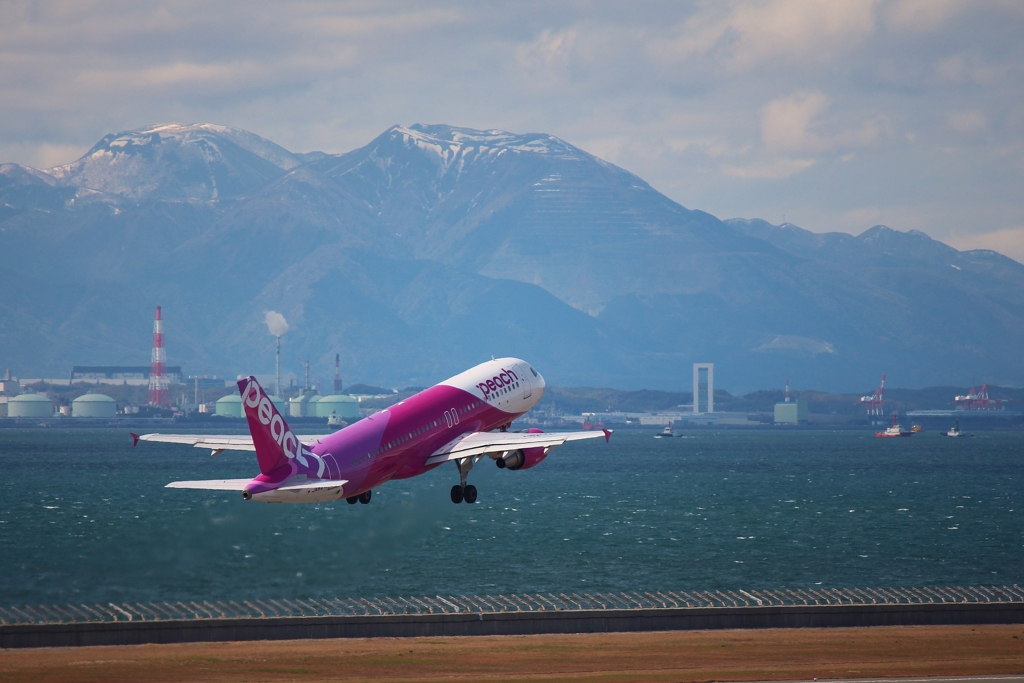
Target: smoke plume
[(276, 323)]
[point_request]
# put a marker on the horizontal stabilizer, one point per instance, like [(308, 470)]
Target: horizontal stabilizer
[(212, 484), (240, 484)]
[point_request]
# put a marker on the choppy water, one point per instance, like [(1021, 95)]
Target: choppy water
[(84, 517)]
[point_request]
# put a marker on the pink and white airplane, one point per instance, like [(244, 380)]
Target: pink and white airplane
[(453, 420)]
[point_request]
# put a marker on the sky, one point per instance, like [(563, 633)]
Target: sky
[(835, 115)]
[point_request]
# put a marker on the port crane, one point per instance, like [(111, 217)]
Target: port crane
[(873, 402), (979, 400)]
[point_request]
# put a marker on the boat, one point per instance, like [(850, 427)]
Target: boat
[(589, 424), (917, 428), (895, 430), (334, 420), (955, 431), (666, 433)]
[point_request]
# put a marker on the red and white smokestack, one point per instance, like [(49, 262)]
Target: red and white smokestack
[(337, 373), (159, 390), (787, 391)]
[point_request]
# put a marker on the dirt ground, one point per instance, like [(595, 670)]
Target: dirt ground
[(684, 656)]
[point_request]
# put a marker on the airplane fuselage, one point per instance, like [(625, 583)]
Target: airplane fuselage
[(395, 443)]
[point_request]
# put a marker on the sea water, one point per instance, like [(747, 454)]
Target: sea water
[(84, 517)]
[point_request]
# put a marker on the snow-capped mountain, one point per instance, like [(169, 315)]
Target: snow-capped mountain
[(434, 246), (172, 161)]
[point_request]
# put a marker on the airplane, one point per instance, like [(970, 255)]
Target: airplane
[(451, 421)]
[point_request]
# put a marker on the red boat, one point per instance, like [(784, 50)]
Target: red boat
[(896, 430)]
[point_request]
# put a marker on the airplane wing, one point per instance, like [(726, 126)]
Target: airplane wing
[(217, 442), (240, 484), (479, 443)]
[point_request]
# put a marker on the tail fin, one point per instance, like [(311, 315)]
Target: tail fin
[(276, 444)]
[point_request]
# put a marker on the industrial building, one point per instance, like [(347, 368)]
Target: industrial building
[(794, 412), (9, 384), (791, 412), (131, 374)]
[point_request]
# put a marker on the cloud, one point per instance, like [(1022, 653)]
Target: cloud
[(967, 121), (921, 16), (545, 60), (747, 35), (786, 123), (761, 170)]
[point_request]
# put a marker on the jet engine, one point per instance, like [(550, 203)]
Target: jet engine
[(524, 458)]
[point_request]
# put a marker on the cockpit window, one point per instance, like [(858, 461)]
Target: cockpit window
[(533, 371)]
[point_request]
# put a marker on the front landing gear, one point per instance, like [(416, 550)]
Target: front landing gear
[(463, 492)]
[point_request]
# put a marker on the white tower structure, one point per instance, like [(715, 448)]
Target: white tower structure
[(278, 365), (697, 367)]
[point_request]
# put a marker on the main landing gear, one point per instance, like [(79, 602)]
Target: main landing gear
[(463, 492), (363, 498)]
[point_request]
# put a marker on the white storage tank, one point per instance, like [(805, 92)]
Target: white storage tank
[(345, 407), (230, 406), (30, 405), (303, 405), (93, 405)]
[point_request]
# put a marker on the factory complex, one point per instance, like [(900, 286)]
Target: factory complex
[(114, 394)]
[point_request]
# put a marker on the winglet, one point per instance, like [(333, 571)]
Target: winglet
[(135, 439), (607, 435)]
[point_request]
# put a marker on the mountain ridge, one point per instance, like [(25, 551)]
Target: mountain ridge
[(510, 242)]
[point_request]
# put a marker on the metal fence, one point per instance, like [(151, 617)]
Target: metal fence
[(491, 604)]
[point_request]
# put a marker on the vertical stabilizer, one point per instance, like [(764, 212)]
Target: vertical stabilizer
[(276, 444)]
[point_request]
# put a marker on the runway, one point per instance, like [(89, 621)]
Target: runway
[(915, 654), (929, 679)]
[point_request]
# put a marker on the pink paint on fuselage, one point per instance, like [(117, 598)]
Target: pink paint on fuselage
[(396, 442)]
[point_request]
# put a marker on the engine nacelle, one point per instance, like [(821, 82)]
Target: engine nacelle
[(524, 458)]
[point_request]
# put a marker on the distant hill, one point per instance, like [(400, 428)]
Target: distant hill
[(433, 248)]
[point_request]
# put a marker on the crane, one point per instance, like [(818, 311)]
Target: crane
[(873, 402), (978, 400)]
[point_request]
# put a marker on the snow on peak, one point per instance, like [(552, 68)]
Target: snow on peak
[(449, 142), (204, 136), (177, 161)]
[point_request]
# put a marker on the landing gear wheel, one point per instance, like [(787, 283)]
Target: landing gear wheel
[(352, 500), (469, 495), (456, 494), (364, 497)]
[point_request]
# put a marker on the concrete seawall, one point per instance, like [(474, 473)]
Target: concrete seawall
[(505, 623)]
